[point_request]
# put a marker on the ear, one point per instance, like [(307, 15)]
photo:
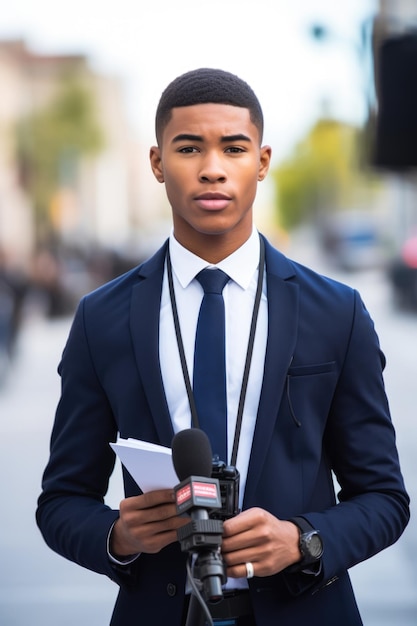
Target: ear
[(156, 163), (264, 161)]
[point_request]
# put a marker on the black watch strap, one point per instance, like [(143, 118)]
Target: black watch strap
[(302, 524), (306, 565)]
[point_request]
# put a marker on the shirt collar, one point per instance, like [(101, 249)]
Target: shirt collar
[(240, 265)]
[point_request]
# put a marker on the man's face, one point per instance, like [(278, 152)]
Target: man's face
[(210, 161)]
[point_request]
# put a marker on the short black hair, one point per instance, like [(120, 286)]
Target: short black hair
[(207, 85)]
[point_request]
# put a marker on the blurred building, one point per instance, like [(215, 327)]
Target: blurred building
[(99, 205), (16, 225)]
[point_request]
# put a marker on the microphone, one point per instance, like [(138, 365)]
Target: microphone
[(191, 453), (198, 494)]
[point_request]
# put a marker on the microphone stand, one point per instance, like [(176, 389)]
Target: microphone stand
[(211, 575), (202, 537), (198, 612)]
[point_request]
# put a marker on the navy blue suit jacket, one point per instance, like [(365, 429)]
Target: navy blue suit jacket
[(323, 409)]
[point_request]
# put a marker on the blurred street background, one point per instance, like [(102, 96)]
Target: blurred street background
[(78, 206)]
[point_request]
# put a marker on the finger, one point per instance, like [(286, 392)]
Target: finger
[(151, 498), (242, 570), (246, 520), (237, 557), (155, 536), (146, 501), (149, 515), (145, 535)]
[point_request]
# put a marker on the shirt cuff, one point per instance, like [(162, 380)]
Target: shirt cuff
[(117, 561)]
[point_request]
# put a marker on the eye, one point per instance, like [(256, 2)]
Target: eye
[(187, 150), (235, 149)]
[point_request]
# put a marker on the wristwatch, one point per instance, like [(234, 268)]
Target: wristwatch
[(311, 543)]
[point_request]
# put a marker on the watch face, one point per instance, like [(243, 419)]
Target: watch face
[(314, 545)]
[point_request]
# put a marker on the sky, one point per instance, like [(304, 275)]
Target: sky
[(268, 43)]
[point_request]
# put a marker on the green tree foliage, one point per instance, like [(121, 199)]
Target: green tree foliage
[(52, 140), (321, 174)]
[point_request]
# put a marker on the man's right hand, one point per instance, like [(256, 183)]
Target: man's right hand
[(147, 523)]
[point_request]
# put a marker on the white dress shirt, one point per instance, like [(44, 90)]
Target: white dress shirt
[(239, 297)]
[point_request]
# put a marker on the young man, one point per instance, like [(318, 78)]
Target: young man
[(314, 402)]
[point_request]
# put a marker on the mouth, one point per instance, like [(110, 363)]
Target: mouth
[(212, 201)]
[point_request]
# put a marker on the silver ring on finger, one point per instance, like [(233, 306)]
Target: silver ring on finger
[(249, 570)]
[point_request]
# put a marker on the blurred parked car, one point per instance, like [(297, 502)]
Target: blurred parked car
[(402, 273), (353, 240)]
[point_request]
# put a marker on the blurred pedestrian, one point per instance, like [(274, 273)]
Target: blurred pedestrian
[(13, 290)]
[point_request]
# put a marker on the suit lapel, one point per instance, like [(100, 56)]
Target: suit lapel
[(282, 332), (144, 325)]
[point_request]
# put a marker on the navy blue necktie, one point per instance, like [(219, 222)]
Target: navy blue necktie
[(209, 384)]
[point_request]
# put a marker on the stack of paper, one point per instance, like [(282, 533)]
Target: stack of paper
[(149, 464)]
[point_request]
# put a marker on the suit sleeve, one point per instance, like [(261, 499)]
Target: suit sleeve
[(71, 514), (373, 507)]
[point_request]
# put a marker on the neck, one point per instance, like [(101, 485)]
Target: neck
[(213, 248)]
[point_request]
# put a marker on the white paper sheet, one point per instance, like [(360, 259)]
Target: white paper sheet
[(149, 464)]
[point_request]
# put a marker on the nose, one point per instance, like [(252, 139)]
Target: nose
[(212, 169)]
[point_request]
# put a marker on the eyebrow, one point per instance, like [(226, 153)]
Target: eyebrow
[(224, 139)]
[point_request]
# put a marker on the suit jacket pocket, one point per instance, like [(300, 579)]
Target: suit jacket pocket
[(310, 370), (309, 390)]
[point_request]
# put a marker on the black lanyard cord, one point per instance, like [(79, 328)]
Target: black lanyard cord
[(249, 352), (193, 408)]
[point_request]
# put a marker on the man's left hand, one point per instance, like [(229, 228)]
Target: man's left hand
[(255, 536)]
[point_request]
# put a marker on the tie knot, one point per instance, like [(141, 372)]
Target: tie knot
[(212, 281)]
